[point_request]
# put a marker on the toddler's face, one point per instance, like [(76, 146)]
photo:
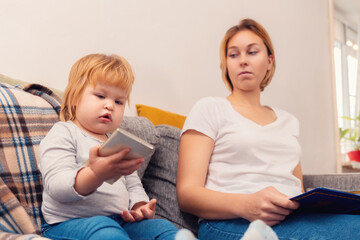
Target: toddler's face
[(100, 109)]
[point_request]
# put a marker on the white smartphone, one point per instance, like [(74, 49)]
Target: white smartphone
[(121, 139)]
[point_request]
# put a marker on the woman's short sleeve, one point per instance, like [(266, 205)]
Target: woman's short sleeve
[(203, 117)]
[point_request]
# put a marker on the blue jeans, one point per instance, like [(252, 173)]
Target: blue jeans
[(295, 227), (109, 228)]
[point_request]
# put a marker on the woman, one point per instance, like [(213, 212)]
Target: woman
[(239, 160)]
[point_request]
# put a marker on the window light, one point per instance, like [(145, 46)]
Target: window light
[(349, 43)]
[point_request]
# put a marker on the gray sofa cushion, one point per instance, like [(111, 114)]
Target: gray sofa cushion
[(160, 179)]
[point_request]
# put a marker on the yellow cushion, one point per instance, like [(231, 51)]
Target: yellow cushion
[(158, 116)]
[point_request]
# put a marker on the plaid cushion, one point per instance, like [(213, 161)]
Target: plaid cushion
[(26, 115)]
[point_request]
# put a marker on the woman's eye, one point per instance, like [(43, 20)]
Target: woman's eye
[(253, 52), (232, 55)]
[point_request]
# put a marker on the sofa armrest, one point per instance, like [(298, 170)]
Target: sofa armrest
[(340, 181)]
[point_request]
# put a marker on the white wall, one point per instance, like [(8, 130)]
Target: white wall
[(173, 48)]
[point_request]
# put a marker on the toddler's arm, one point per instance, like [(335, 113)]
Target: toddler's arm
[(101, 169)]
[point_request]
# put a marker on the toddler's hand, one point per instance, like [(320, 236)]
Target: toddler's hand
[(140, 211), (112, 166), (100, 169)]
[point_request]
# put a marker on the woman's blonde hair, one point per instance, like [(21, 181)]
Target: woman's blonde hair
[(93, 69), (253, 26)]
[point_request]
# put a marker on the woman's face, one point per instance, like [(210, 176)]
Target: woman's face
[(247, 61)]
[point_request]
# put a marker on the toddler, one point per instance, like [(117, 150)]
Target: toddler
[(77, 202)]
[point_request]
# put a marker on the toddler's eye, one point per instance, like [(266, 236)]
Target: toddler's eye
[(100, 96), (118, 102)]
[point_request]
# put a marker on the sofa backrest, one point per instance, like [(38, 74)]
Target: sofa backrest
[(159, 173)]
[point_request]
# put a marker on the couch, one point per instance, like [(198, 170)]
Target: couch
[(27, 112)]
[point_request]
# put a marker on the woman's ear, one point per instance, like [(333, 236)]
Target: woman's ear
[(270, 61)]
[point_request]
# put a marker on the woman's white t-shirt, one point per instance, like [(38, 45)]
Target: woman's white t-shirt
[(247, 157)]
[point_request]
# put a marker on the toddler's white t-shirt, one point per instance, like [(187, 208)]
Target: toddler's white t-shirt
[(247, 157)]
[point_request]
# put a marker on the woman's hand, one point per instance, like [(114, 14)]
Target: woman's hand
[(269, 205), (140, 211)]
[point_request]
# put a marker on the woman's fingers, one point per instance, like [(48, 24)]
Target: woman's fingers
[(271, 206), (272, 223)]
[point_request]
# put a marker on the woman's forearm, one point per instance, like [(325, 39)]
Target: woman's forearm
[(210, 204)]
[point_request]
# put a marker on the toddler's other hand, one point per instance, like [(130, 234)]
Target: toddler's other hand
[(140, 211)]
